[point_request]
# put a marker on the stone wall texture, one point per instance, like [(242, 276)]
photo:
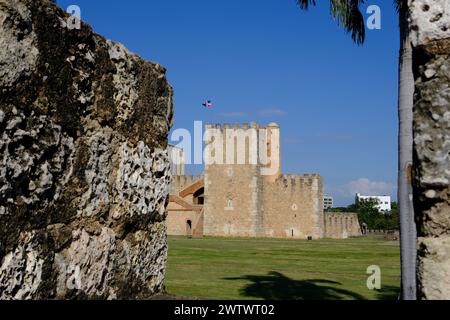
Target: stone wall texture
[(184, 215), (241, 200), (430, 24), (84, 174), (342, 225), (241, 203)]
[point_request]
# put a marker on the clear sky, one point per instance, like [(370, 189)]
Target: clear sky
[(265, 61)]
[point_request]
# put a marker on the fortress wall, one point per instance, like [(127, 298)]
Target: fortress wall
[(179, 183), (340, 225), (232, 191), (177, 222), (250, 201), (177, 160), (231, 200), (178, 217), (293, 207)]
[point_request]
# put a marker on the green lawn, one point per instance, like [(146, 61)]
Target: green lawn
[(218, 268)]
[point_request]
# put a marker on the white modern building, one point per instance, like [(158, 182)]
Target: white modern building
[(384, 202), (328, 202)]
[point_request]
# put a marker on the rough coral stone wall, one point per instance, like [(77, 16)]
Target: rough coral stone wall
[(84, 174), (430, 23)]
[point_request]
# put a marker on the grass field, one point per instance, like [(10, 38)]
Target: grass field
[(219, 268)]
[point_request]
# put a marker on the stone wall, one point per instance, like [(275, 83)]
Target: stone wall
[(293, 207), (84, 175), (430, 24), (232, 182), (241, 203), (185, 215), (244, 199), (184, 222), (232, 200), (177, 161), (342, 225)]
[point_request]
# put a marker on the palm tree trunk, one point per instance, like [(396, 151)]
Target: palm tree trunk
[(408, 232)]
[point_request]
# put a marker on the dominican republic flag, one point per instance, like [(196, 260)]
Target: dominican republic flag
[(208, 104)]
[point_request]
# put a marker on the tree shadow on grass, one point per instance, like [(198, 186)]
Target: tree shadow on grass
[(276, 286), (388, 293)]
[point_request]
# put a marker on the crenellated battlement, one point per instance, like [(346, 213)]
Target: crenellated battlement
[(240, 126), (294, 181), (184, 180), (244, 144)]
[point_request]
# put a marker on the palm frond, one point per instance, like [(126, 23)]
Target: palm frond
[(304, 4), (348, 15), (399, 4)]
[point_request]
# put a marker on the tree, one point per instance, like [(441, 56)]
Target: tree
[(349, 16), (368, 213), (408, 231), (393, 221)]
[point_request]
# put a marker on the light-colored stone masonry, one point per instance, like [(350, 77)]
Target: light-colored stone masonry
[(184, 209), (342, 225), (293, 207), (248, 199)]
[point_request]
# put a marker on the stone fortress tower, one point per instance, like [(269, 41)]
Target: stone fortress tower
[(244, 194)]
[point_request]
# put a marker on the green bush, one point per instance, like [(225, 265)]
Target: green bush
[(369, 214)]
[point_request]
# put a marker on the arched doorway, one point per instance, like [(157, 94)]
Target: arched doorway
[(199, 196), (189, 228)]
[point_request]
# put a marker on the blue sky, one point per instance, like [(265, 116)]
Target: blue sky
[(266, 60)]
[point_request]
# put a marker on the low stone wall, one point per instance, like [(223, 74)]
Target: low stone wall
[(84, 174), (340, 225), (293, 207)]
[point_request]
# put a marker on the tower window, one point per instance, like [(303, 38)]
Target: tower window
[(229, 204)]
